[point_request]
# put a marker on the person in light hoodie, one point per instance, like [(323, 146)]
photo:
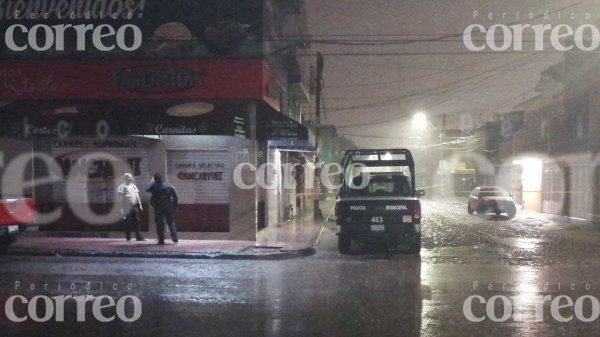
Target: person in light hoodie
[(131, 207)]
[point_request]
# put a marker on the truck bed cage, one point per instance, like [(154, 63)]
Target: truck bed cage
[(381, 158), (378, 158)]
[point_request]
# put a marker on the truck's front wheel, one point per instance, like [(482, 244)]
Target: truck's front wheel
[(344, 244), (512, 211)]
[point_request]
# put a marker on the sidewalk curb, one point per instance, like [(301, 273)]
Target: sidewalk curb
[(285, 255)]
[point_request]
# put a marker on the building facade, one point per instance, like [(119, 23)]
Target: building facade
[(552, 162), (206, 90)]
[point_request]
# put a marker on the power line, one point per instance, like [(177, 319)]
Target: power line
[(463, 83), (445, 37), (441, 35), (397, 119), (451, 53), (389, 82), (480, 83), (503, 85), (442, 71), (392, 100), (384, 42)]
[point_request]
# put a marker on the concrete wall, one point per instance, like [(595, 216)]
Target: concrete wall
[(242, 206), (9, 150), (273, 195), (571, 185)]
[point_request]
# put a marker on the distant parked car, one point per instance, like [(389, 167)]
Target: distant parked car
[(491, 199)]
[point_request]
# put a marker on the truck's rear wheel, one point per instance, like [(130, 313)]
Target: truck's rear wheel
[(5, 241), (415, 245), (344, 244)]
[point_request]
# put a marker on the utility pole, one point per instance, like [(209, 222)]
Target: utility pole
[(443, 170), (444, 125), (318, 89), (318, 215)]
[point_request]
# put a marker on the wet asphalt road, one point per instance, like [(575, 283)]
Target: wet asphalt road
[(370, 294)]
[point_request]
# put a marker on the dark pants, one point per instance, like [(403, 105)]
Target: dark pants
[(160, 216), (132, 223)]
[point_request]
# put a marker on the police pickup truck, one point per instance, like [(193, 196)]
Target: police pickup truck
[(378, 200)]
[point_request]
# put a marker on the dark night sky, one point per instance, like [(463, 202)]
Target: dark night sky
[(373, 96)]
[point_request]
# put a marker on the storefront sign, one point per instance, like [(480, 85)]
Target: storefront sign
[(157, 79), (239, 127), (95, 143), (283, 130), (200, 171), (205, 176), (97, 168), (98, 179), (275, 126), (200, 176), (104, 119), (21, 85), (183, 79), (161, 129), (203, 182)]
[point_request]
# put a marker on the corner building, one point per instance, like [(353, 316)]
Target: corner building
[(210, 87)]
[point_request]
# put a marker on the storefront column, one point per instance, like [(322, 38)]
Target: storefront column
[(259, 202)]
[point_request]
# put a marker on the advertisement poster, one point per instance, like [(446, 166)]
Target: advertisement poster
[(280, 168)]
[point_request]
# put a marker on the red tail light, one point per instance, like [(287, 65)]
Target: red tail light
[(17, 211), (31, 204), (417, 211), (33, 209)]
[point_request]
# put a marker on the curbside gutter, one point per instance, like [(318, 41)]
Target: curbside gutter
[(281, 255)]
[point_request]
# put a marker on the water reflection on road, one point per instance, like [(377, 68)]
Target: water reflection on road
[(368, 294)]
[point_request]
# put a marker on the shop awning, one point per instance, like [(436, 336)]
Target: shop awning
[(55, 118), (23, 119)]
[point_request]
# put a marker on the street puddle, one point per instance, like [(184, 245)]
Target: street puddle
[(524, 244)]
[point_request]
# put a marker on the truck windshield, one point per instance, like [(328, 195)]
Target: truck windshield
[(493, 193), (380, 185)]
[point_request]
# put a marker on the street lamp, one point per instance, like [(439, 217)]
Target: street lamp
[(419, 121)]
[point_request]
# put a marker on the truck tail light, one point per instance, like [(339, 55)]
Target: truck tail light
[(417, 211)]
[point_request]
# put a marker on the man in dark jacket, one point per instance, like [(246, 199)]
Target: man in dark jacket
[(164, 200)]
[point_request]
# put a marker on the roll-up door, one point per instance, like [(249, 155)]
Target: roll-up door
[(202, 179)]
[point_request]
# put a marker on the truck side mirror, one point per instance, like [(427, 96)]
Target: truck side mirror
[(420, 193)]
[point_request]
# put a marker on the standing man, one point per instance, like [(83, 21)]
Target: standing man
[(131, 206), (164, 201)]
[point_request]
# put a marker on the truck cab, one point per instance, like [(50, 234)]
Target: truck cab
[(378, 200)]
